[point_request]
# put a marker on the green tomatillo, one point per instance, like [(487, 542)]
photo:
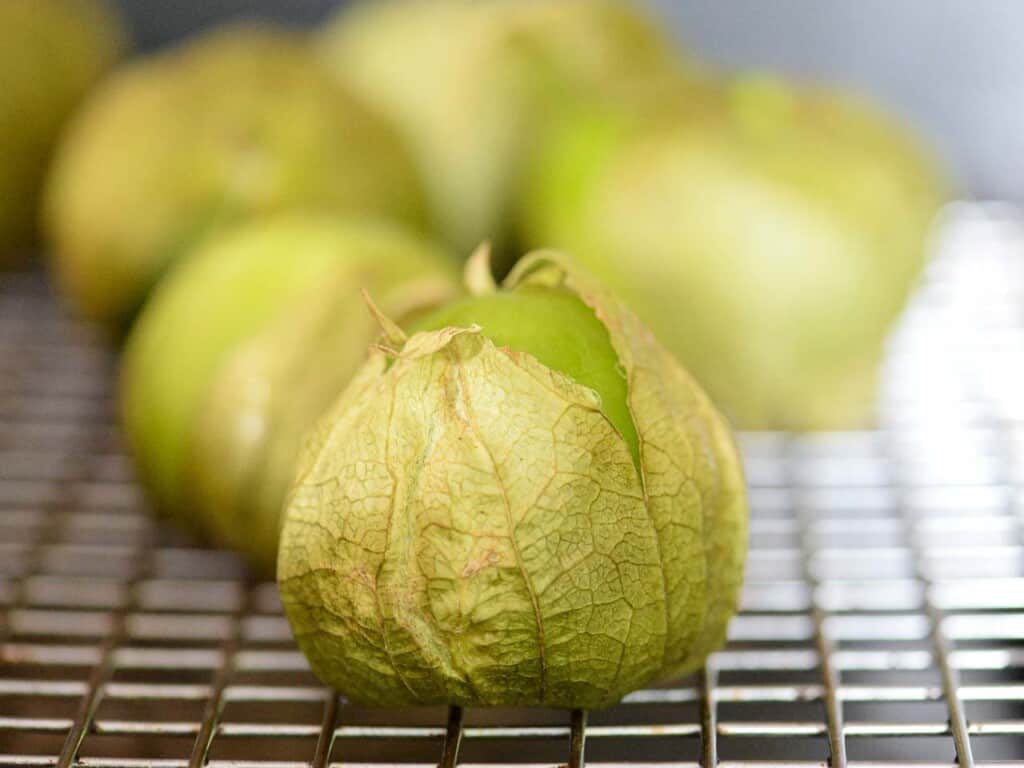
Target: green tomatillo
[(243, 345), (527, 502), (240, 122), (768, 234), (472, 85), (51, 53)]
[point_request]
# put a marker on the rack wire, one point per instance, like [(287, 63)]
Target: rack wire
[(882, 620)]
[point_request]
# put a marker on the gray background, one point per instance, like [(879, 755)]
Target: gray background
[(953, 68)]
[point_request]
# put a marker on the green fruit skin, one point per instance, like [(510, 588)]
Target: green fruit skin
[(51, 53), (242, 345), (468, 526), (768, 235), (473, 85), (559, 330), (240, 122)]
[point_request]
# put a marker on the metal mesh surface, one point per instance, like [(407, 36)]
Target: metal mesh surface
[(882, 621)]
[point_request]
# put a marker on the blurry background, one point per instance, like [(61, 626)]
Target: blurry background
[(951, 68)]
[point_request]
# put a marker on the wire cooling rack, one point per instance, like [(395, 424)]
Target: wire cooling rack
[(882, 621)]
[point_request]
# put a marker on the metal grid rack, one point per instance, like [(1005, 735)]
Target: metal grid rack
[(882, 622)]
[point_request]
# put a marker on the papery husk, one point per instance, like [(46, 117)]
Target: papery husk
[(769, 234), (471, 86), (242, 343), (268, 393), (240, 122), (467, 527), (52, 52)]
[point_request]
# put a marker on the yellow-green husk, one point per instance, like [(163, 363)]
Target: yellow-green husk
[(51, 53), (471, 86), (244, 344), (240, 122), (467, 527), (769, 235)]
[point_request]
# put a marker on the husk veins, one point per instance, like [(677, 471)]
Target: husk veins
[(468, 527)]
